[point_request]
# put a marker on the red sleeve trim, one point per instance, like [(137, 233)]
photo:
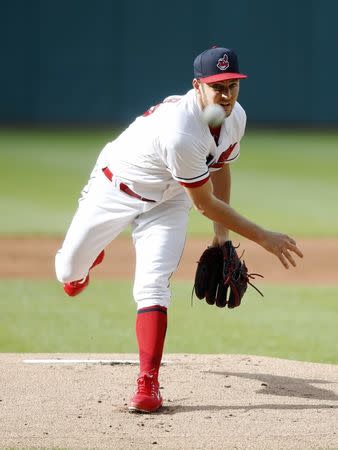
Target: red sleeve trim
[(196, 183)]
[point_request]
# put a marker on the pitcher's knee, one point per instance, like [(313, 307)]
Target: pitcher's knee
[(63, 273), (146, 296), (66, 270), (62, 276)]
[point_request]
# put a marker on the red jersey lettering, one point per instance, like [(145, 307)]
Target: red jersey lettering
[(224, 156)]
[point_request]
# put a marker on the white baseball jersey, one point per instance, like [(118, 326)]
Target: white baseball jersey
[(138, 181), (171, 145)]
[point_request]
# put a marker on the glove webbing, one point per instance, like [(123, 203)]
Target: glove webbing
[(249, 275)]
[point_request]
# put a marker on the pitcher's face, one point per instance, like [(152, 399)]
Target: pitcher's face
[(224, 93)]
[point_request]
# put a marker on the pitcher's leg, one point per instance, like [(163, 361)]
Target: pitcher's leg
[(91, 230), (104, 211), (159, 238), (151, 327)]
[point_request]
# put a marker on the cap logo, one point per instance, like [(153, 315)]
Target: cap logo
[(223, 63)]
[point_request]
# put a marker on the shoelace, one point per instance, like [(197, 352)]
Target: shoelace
[(147, 385)]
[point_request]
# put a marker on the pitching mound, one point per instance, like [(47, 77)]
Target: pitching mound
[(210, 402)]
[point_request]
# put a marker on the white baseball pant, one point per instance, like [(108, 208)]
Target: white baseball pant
[(158, 232)]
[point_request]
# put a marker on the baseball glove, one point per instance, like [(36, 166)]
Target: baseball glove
[(221, 277)]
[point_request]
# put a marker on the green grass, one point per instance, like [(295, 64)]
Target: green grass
[(290, 322), (283, 180), (289, 180), (41, 176)]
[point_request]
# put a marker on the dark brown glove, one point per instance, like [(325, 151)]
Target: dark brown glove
[(221, 277)]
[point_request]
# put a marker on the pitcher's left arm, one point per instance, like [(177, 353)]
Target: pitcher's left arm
[(221, 181)]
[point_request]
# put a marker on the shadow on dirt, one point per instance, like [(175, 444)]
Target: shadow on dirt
[(284, 386), (270, 385), (176, 409)]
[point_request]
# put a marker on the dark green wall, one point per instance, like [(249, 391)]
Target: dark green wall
[(100, 61)]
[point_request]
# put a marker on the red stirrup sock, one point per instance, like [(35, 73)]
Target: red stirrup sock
[(151, 327)]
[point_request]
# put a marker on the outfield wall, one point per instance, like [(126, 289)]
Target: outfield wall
[(92, 62)]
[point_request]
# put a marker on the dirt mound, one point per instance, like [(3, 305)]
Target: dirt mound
[(210, 402)]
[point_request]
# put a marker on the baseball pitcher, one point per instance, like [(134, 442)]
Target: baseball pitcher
[(175, 156)]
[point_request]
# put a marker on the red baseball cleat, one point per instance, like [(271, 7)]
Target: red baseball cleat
[(73, 288), (147, 398)]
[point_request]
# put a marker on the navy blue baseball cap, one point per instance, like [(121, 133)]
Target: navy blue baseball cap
[(217, 64)]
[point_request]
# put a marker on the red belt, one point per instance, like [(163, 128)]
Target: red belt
[(123, 187)]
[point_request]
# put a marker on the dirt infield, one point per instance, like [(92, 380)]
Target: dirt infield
[(211, 402), (34, 258)]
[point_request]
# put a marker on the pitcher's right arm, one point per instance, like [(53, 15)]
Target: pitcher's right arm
[(216, 210)]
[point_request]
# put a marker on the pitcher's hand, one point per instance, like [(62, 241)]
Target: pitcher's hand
[(282, 246)]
